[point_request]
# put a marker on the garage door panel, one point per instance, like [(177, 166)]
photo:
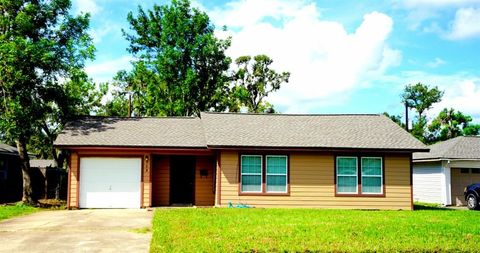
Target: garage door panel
[(460, 179), (110, 182)]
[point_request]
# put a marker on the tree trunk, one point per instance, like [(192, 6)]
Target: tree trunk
[(25, 166)]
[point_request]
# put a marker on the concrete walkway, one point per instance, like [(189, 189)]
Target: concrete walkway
[(78, 231)]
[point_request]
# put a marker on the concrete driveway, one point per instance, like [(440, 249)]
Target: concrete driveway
[(115, 230)]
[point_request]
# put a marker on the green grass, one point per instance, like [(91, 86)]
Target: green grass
[(9, 211), (309, 230)]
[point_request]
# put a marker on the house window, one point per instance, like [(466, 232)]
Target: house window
[(264, 174), (360, 176), (251, 173), (3, 170), (347, 172), (372, 175), (476, 171), (276, 173)]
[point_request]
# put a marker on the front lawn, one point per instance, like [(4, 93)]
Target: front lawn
[(303, 230), (8, 211)]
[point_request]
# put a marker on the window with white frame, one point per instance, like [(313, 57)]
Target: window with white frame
[(276, 173), (251, 173), (347, 175), (359, 175), (372, 178), (264, 174)]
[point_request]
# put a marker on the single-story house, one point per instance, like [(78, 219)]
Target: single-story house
[(260, 160), (10, 174), (440, 175)]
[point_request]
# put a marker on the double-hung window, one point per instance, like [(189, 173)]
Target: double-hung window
[(347, 175), (359, 175), (372, 178), (276, 173), (251, 173), (264, 174)]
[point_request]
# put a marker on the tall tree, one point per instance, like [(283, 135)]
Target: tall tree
[(180, 66), (420, 97), (254, 81), (41, 47)]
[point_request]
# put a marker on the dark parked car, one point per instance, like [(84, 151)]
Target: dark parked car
[(472, 196)]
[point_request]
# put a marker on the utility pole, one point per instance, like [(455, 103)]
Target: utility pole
[(406, 116), (129, 104)]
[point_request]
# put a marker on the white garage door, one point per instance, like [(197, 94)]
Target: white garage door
[(110, 182)]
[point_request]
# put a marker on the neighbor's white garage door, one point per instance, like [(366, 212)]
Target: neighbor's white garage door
[(110, 182)]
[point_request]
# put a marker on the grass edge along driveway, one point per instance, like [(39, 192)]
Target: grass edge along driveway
[(303, 230), (9, 211)]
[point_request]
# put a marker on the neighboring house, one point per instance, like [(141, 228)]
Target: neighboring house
[(441, 175), (10, 174), (261, 160)]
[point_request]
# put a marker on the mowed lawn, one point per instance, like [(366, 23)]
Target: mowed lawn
[(9, 211), (304, 230)]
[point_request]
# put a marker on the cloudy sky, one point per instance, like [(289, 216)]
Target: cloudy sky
[(344, 56)]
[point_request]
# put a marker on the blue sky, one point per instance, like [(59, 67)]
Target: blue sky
[(344, 56)]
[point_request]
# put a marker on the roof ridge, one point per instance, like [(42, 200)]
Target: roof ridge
[(294, 114), (141, 117)]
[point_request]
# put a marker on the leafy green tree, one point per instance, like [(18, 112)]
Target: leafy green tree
[(254, 81), (472, 130), (77, 96), (180, 67), (449, 124), (395, 118), (420, 97), (42, 47)]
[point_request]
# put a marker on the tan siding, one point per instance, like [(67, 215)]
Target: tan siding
[(146, 180), (73, 171), (312, 184), (204, 195), (161, 181)]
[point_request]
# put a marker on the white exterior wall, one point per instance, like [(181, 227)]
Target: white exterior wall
[(429, 183)]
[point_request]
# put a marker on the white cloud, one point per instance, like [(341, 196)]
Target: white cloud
[(438, 3), (466, 24), (87, 6), (106, 28), (106, 70), (426, 15), (435, 63), (326, 62)]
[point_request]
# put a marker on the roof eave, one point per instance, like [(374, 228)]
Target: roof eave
[(86, 146), (334, 149), (438, 159)]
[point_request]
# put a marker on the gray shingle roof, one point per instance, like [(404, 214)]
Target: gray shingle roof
[(215, 130), (8, 150), (306, 131), (133, 132), (463, 147)]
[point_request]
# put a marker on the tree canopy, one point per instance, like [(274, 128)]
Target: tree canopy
[(254, 81), (449, 124), (421, 97), (180, 67), (43, 49)]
